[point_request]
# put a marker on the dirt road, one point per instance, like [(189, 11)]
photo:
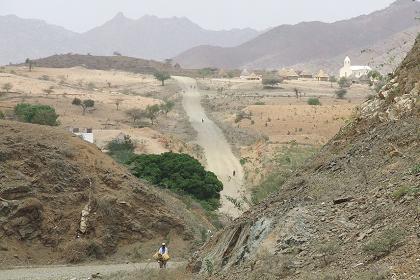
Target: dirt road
[(217, 150), (76, 272)]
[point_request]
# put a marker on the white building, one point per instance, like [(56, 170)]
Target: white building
[(85, 134), (353, 71)]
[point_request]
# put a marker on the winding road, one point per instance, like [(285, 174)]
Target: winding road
[(218, 153)]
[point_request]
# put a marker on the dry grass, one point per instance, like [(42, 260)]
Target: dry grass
[(153, 274), (80, 249)]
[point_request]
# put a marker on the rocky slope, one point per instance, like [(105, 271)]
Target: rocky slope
[(351, 213), (287, 45), (62, 200)]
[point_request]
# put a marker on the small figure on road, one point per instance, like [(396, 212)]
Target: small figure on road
[(234, 173), (202, 120), (162, 256)]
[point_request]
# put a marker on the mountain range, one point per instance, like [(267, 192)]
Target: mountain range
[(314, 42), (148, 37), (380, 39)]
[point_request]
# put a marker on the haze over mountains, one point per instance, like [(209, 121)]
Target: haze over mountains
[(148, 37), (288, 45), (379, 39)]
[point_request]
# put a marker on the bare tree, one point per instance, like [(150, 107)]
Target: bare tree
[(136, 114)]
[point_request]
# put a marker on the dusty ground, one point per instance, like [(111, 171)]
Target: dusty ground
[(106, 88), (277, 117), (217, 151), (84, 272)]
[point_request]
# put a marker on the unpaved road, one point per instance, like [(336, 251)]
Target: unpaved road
[(76, 272), (219, 155)]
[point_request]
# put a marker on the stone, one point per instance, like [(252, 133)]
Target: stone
[(342, 200)]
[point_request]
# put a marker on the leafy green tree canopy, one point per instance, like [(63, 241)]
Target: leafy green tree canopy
[(162, 76), (35, 113), (179, 172)]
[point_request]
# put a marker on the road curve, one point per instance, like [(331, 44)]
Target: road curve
[(63, 272), (218, 153)]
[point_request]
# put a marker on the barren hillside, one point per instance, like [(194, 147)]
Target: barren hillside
[(287, 45), (62, 200), (351, 213)]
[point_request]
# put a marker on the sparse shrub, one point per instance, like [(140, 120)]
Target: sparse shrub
[(314, 101), (328, 250), (7, 87), (384, 244), (344, 82), (136, 114), (415, 169), (78, 250), (271, 82), (405, 190), (91, 86), (209, 266), (37, 114), (242, 161), (286, 160), (242, 115), (167, 106), (121, 149), (1, 115), (340, 93), (252, 122), (44, 78), (259, 103)]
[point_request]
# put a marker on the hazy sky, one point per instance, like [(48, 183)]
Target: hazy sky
[(82, 15)]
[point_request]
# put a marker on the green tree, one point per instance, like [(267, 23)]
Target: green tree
[(271, 81), (38, 114), (152, 112), (85, 104), (7, 87), (180, 173), (167, 106), (340, 93), (162, 76), (344, 82)]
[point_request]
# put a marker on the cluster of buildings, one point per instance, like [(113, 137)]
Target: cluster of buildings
[(347, 71)]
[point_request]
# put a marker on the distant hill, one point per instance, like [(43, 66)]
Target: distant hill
[(288, 45), (22, 38), (122, 63), (156, 38), (149, 37)]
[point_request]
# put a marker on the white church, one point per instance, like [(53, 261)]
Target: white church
[(353, 71)]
